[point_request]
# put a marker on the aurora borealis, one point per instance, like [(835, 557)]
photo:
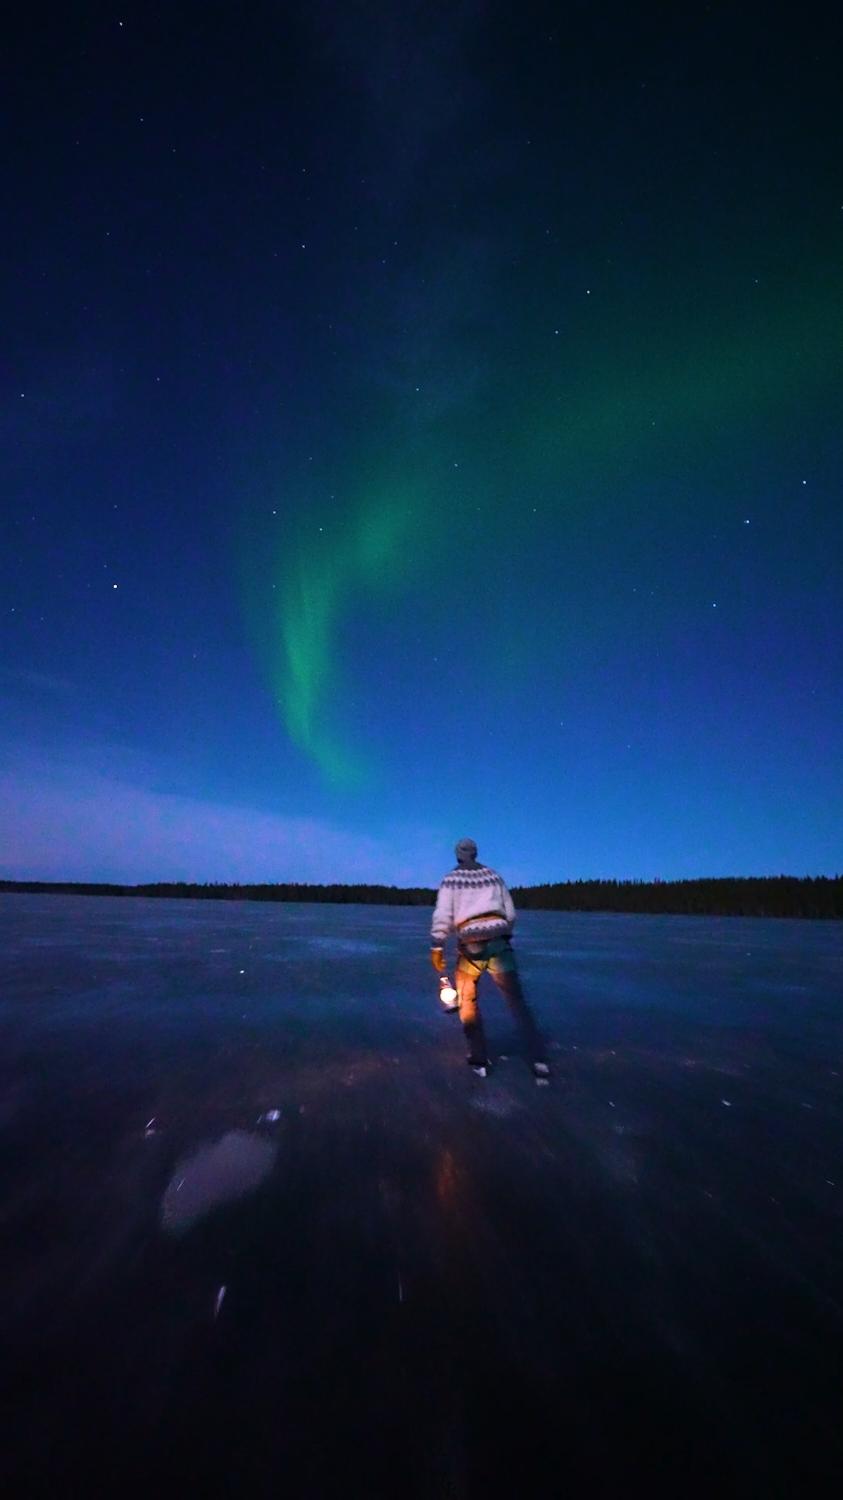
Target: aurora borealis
[(422, 421)]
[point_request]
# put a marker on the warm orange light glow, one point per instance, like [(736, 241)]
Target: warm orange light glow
[(447, 993)]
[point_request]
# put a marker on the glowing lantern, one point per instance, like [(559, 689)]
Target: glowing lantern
[(447, 993)]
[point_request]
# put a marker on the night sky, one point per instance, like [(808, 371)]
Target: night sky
[(421, 420)]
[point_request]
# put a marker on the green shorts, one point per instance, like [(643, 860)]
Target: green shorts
[(495, 955)]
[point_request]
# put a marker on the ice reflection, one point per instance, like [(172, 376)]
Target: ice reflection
[(340, 945), (215, 1175), (446, 1178)]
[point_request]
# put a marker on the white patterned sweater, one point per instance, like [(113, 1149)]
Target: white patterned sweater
[(475, 901)]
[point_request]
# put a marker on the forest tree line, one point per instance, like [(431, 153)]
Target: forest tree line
[(731, 896), (741, 896)]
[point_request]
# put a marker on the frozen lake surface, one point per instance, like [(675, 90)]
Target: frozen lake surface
[(262, 1228)]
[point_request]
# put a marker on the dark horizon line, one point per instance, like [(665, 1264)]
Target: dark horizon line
[(816, 897), (615, 880)]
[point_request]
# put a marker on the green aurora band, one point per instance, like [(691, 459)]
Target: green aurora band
[(314, 587), (576, 429)]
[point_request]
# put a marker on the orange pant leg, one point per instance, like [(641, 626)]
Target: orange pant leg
[(472, 1023), (467, 995)]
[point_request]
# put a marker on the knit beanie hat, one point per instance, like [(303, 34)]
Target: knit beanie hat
[(466, 851)]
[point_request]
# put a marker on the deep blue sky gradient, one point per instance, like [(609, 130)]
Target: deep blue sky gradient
[(565, 299)]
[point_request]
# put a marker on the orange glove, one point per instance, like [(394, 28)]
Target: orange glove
[(437, 958)]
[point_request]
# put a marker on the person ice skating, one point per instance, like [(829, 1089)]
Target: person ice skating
[(474, 901)]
